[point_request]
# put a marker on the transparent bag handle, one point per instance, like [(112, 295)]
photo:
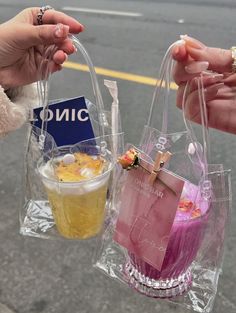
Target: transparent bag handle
[(165, 74), (165, 82), (203, 156), (44, 83)]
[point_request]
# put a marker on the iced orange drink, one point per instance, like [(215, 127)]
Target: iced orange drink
[(77, 185)]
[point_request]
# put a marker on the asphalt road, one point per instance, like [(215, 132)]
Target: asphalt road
[(38, 276)]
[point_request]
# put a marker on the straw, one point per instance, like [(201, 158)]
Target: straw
[(112, 87)]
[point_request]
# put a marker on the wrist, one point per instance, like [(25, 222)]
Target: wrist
[(4, 87), (4, 80)]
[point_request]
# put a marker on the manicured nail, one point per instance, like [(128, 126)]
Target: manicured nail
[(176, 50), (214, 78), (61, 30), (227, 75), (196, 67), (81, 27), (192, 42), (178, 44), (213, 90)]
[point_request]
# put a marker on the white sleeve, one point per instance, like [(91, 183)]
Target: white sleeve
[(15, 106)]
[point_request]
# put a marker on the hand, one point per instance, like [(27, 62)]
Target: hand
[(23, 42), (193, 58)]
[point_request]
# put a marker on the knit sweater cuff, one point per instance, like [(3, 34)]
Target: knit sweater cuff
[(15, 106)]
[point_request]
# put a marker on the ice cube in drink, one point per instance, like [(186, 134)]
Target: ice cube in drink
[(77, 192)]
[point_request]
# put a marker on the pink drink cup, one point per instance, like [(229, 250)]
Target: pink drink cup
[(185, 240)]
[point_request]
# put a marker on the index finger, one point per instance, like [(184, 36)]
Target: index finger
[(182, 58), (55, 17), (179, 52)]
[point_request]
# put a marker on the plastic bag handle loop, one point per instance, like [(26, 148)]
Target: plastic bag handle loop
[(93, 76), (44, 84), (165, 81), (204, 122)]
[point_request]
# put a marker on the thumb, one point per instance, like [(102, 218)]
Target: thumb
[(46, 34), (220, 60)]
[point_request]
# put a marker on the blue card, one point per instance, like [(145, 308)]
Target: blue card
[(68, 121)]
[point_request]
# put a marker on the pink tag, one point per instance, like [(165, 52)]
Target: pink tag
[(147, 214)]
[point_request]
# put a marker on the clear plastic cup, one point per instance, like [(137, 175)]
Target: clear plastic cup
[(78, 207), (175, 276)]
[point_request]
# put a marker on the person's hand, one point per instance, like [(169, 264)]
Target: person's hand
[(193, 58), (23, 42)]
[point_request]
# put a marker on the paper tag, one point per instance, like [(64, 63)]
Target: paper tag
[(68, 121), (147, 214)]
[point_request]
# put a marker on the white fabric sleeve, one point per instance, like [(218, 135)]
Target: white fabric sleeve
[(15, 106)]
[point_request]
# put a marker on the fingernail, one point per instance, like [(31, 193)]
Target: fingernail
[(192, 42), (212, 90), (75, 49), (66, 57), (61, 30), (81, 27), (196, 67), (214, 78), (176, 50), (180, 42), (227, 75)]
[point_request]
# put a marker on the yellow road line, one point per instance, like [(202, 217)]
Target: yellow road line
[(120, 75)]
